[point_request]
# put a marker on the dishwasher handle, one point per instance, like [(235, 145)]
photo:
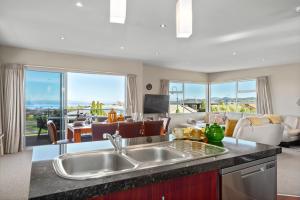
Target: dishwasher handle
[(257, 169)]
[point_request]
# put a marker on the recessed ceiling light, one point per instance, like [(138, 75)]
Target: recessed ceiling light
[(163, 26), (234, 53), (298, 9), (122, 47), (79, 4), (62, 37)]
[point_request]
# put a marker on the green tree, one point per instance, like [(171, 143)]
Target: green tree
[(222, 106), (93, 108), (203, 105), (98, 108)]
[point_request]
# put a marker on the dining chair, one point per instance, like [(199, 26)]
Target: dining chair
[(166, 122), (53, 134), (152, 128), (98, 129), (131, 129), (1, 144)]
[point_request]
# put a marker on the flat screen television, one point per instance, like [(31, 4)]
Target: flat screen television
[(156, 104)]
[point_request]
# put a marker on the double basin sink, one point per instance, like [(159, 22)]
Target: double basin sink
[(101, 163)]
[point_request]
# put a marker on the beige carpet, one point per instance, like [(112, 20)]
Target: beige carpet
[(289, 171), (15, 170)]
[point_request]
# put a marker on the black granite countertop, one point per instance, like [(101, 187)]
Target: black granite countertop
[(45, 184)]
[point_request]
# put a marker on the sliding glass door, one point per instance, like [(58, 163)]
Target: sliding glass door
[(44, 101)]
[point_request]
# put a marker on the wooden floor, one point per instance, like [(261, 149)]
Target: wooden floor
[(281, 197)]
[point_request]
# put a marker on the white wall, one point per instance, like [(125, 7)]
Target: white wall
[(69, 62), (284, 81)]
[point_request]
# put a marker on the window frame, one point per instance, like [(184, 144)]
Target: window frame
[(183, 89), (64, 86), (237, 91)]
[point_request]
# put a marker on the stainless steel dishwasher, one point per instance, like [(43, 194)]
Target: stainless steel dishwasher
[(255, 180)]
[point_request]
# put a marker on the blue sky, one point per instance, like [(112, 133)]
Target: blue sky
[(42, 86), (228, 89), (191, 91), (45, 86), (89, 87)]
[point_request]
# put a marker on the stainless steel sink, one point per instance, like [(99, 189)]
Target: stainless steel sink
[(92, 164), (154, 154), (96, 164)]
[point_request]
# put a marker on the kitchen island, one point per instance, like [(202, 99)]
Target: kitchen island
[(160, 181)]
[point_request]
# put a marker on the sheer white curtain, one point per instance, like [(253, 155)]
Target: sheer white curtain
[(164, 87), (264, 99), (12, 106), (132, 96)]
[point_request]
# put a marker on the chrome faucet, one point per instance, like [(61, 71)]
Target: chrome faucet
[(115, 139)]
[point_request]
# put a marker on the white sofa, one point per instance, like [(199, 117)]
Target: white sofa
[(273, 134), (291, 131), (267, 133)]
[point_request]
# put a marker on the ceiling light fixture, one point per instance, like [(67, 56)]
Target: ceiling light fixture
[(117, 11), (163, 26), (122, 47), (62, 37), (79, 4), (184, 18), (298, 9), (234, 53)]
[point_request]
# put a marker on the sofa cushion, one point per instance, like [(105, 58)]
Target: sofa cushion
[(230, 126)]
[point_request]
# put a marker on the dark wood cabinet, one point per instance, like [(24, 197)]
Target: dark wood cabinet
[(202, 186)]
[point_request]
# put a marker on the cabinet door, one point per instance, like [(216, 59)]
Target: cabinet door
[(202, 186), (138, 193)]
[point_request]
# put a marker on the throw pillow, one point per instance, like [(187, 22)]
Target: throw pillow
[(230, 126), (274, 119), (255, 121)]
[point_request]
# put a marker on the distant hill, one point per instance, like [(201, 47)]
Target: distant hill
[(215, 100)]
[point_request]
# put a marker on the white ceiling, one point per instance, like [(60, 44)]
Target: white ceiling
[(261, 32)]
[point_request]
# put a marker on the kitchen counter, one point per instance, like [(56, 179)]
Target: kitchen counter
[(46, 184)]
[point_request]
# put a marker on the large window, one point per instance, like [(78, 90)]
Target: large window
[(95, 94), (187, 97), (84, 94), (43, 102), (237, 96)]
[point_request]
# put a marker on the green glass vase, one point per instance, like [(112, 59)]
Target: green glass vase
[(214, 133)]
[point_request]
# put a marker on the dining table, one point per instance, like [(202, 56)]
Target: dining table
[(74, 132)]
